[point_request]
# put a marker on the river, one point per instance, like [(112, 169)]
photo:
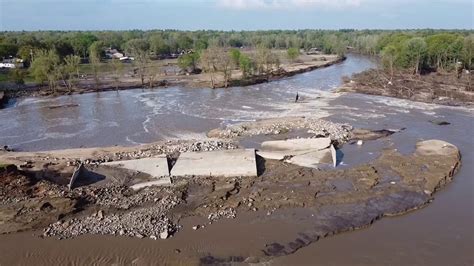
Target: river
[(440, 234)]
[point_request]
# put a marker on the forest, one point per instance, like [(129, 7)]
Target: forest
[(50, 56)]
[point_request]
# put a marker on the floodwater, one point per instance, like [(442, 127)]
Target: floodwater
[(440, 234), (138, 116)]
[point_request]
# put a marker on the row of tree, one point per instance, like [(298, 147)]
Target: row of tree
[(439, 52), (170, 41), (167, 41), (55, 55)]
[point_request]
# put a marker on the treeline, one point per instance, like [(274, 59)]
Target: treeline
[(58, 53)]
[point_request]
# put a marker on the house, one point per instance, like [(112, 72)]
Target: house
[(314, 51), (113, 54), (126, 59), (12, 63)]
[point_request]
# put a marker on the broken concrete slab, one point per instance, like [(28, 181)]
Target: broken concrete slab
[(333, 155), (164, 181), (156, 167), (302, 152), (226, 163), (75, 175), (297, 144), (311, 159)]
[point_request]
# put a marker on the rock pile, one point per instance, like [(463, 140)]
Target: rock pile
[(223, 213), (151, 221), (168, 148), (317, 127)]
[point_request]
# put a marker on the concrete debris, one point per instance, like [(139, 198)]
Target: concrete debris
[(302, 152), (317, 127), (164, 181), (141, 222), (228, 163), (77, 172), (156, 167)]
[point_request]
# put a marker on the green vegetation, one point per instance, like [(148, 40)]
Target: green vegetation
[(293, 54), (54, 56), (189, 62)]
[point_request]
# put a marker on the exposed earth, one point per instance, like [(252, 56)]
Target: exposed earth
[(37, 198), (439, 88)]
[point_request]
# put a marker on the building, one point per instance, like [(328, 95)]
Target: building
[(12, 63), (113, 54), (314, 51)]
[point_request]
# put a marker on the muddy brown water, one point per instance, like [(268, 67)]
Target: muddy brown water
[(440, 234)]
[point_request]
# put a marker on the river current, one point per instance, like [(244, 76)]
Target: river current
[(440, 234)]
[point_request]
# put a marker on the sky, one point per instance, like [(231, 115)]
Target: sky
[(234, 14)]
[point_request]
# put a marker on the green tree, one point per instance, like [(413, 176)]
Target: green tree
[(7, 50), (117, 67), (45, 67), (235, 55), (293, 54), (158, 45), (69, 71), (189, 62), (468, 52), (266, 60), (81, 43), (438, 49), (26, 54), (246, 66), (389, 55), (414, 51)]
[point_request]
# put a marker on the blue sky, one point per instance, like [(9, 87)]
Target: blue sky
[(234, 14)]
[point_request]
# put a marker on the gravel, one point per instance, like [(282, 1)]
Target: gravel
[(317, 127), (149, 221)]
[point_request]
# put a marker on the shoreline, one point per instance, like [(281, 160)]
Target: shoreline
[(435, 88), (191, 81)]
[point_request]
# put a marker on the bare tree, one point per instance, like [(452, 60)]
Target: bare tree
[(140, 50), (95, 51), (209, 62), (117, 67), (69, 71)]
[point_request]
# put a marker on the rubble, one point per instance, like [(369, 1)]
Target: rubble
[(316, 127), (141, 222)]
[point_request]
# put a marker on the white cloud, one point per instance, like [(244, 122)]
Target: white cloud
[(283, 4)]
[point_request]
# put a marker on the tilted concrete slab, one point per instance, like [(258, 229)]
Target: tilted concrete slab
[(297, 144), (156, 167), (77, 172), (333, 155), (226, 163), (311, 159), (302, 152)]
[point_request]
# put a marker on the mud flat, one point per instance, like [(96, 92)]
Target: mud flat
[(328, 202)]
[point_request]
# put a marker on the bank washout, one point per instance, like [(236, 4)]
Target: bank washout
[(438, 88)]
